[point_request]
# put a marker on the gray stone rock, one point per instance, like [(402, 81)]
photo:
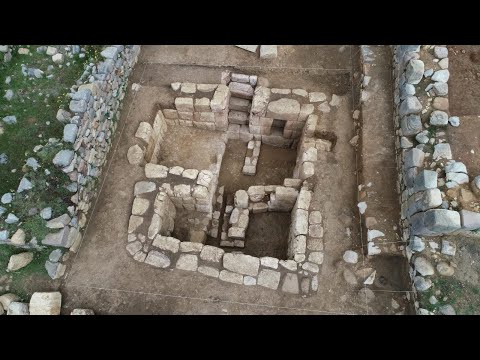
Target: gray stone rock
[(33, 163), (231, 277), (11, 219), (63, 158), (290, 283), (447, 310), (59, 222), (411, 125), (454, 121), (110, 52), (78, 106), (4, 235), (268, 51), (440, 88), (187, 262), (3, 156), (45, 303), (438, 118), (63, 116), (157, 259), (18, 308), (417, 244), (422, 284), (442, 151), (25, 184), (423, 266), (10, 119), (240, 263), (6, 198), (7, 299), (269, 262), (167, 243), (241, 199), (211, 253), (70, 133), (445, 269), (413, 158), (410, 105), (414, 71), (425, 179), (284, 109), (19, 261), (470, 220), (60, 238), (350, 257), (143, 187), (448, 248), (441, 76), (455, 166), (135, 155), (440, 52), (55, 269), (46, 213), (269, 279), (55, 255)]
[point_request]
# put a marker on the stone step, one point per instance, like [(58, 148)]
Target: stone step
[(237, 117), (241, 90), (239, 104)]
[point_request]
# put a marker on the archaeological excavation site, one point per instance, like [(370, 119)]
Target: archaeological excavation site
[(240, 179)]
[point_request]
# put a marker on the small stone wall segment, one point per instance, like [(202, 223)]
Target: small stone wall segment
[(429, 178), (251, 157)]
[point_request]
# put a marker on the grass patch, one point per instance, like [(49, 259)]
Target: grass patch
[(463, 297), (24, 280)]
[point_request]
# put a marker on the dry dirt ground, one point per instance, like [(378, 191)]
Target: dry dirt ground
[(103, 277)]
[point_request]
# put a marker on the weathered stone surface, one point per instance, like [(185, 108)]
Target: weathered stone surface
[(17, 308), (60, 238), (204, 178), (231, 277), (63, 158), (166, 243), (134, 223), (241, 199), (135, 155), (241, 90), (184, 104), (440, 88), (154, 171), (268, 51), (308, 266), (251, 48), (413, 158), (445, 269), (143, 187), (45, 303), (18, 238), (220, 98), (211, 253), (350, 257), (315, 217), (155, 226), (448, 248), (300, 222), (440, 52), (134, 247), (470, 220), (442, 151), (144, 131), (70, 133), (316, 257), (240, 263), (82, 312), (411, 125), (59, 222), (188, 246), (270, 262), (188, 88), (422, 284), (140, 206), (284, 109), (209, 271), (289, 264), (441, 76), (410, 105), (290, 283), (447, 310), (438, 118), (441, 103), (256, 193), (423, 266), (190, 174), (269, 279), (7, 299), (187, 262), (414, 71), (157, 259), (54, 269), (249, 281), (19, 261)]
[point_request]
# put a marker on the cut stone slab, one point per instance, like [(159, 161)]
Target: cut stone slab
[(268, 51), (59, 222), (410, 105), (442, 151), (284, 109), (135, 155), (251, 48), (140, 206), (350, 257), (157, 259), (45, 303), (423, 266), (212, 253), (269, 279), (317, 97), (143, 187), (18, 308), (19, 261), (154, 171), (241, 90), (470, 220), (438, 118), (240, 263), (270, 262), (435, 221), (209, 271), (187, 262), (166, 243), (231, 277), (290, 283), (82, 312)]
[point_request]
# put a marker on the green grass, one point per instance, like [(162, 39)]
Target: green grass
[(464, 297), (22, 283)]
